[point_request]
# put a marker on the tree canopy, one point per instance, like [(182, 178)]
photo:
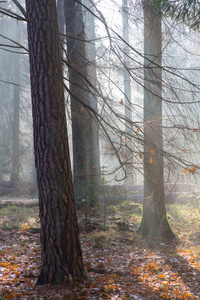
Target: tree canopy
[(187, 11)]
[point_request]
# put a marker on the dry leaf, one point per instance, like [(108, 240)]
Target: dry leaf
[(185, 170), (192, 170)]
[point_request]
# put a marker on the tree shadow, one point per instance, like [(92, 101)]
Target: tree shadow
[(184, 269)]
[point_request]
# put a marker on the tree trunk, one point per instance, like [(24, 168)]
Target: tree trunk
[(89, 26), (129, 180), (61, 251), (61, 23), (15, 123), (82, 119), (154, 222)]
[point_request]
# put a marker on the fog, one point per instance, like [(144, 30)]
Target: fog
[(180, 92)]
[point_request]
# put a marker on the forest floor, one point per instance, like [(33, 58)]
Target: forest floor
[(119, 263)]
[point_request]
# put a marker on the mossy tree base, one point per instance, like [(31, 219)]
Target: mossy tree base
[(154, 223), (155, 226)]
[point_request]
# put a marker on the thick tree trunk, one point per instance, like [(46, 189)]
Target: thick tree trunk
[(154, 220), (82, 119), (90, 50), (61, 251)]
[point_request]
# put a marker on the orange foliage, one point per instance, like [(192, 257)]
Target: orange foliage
[(185, 170)]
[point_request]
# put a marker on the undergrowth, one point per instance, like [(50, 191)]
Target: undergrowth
[(119, 263)]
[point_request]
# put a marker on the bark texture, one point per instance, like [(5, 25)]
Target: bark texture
[(85, 161), (61, 251), (154, 220)]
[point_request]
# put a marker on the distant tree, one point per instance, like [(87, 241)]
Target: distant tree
[(129, 180), (83, 134), (61, 251), (61, 22), (154, 220), (16, 117), (90, 36), (15, 106)]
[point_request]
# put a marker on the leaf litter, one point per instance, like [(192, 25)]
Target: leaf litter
[(121, 265)]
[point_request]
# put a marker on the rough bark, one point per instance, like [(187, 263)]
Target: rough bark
[(154, 220), (82, 119), (61, 252)]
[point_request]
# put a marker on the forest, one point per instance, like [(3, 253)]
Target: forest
[(99, 149)]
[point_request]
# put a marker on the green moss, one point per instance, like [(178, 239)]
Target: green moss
[(153, 229)]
